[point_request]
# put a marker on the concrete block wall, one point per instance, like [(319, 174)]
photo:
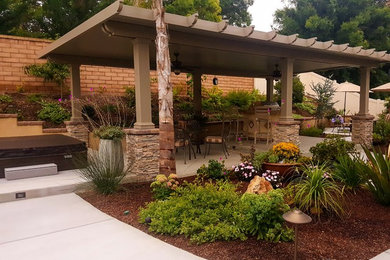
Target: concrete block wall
[(17, 52)]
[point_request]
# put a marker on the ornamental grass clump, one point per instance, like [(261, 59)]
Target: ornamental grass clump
[(103, 175), (377, 175), (317, 193), (347, 171)]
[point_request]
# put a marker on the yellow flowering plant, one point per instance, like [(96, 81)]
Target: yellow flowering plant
[(287, 152)]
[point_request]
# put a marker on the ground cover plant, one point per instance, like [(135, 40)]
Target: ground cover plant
[(215, 211)]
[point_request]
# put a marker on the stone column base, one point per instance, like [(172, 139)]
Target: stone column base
[(78, 130), (362, 128), (286, 131), (142, 153)]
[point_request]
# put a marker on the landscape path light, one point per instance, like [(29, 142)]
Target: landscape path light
[(296, 217)]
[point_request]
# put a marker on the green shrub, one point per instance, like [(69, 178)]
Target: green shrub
[(317, 193), (163, 187), (347, 171), (242, 99), (34, 98), (330, 149), (216, 212), (215, 170), (202, 213), (263, 216), (5, 99), (105, 179), (307, 107), (53, 112), (377, 175), (311, 131), (381, 131), (109, 132), (130, 96), (261, 158), (298, 90)]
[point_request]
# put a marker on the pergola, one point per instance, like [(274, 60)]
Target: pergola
[(123, 36)]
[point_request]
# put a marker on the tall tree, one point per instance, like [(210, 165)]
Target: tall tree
[(236, 11), (165, 94), (359, 22)]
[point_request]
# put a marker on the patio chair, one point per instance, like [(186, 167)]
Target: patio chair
[(221, 140), (183, 139), (263, 120)]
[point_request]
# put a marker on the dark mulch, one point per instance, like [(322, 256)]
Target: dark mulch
[(364, 234)]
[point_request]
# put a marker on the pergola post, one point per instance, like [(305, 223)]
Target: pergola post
[(362, 123), (76, 127), (270, 90), (143, 103), (142, 141), (197, 91), (286, 129)]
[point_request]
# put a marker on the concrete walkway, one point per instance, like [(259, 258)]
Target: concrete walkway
[(67, 227)]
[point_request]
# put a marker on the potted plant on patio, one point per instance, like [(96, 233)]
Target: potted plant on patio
[(284, 157), (110, 145)]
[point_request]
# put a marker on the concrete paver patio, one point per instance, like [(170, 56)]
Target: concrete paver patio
[(67, 227)]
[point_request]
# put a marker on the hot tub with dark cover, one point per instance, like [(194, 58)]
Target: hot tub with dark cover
[(41, 149)]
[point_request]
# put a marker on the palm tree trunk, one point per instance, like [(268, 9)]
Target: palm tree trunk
[(165, 95)]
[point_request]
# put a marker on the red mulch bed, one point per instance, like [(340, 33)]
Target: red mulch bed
[(364, 234)]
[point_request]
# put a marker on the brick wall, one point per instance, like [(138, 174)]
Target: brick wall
[(17, 52)]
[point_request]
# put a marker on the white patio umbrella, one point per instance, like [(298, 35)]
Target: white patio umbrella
[(382, 88), (347, 87)]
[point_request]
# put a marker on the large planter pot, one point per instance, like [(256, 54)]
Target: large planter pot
[(284, 169), (111, 152)]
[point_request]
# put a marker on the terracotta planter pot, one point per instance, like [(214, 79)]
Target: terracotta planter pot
[(284, 169)]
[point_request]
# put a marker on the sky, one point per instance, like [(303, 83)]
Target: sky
[(262, 13)]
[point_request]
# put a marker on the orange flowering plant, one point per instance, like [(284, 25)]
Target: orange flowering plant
[(287, 152)]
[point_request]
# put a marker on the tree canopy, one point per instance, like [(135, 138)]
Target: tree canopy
[(359, 22), (54, 18)]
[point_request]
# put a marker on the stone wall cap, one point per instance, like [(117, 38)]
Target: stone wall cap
[(30, 123), (54, 130), (8, 115), (135, 131), (75, 122), (287, 122), (363, 117)]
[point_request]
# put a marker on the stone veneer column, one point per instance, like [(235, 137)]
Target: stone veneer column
[(362, 128), (286, 132), (76, 127), (286, 129), (362, 123), (143, 152), (78, 130)]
